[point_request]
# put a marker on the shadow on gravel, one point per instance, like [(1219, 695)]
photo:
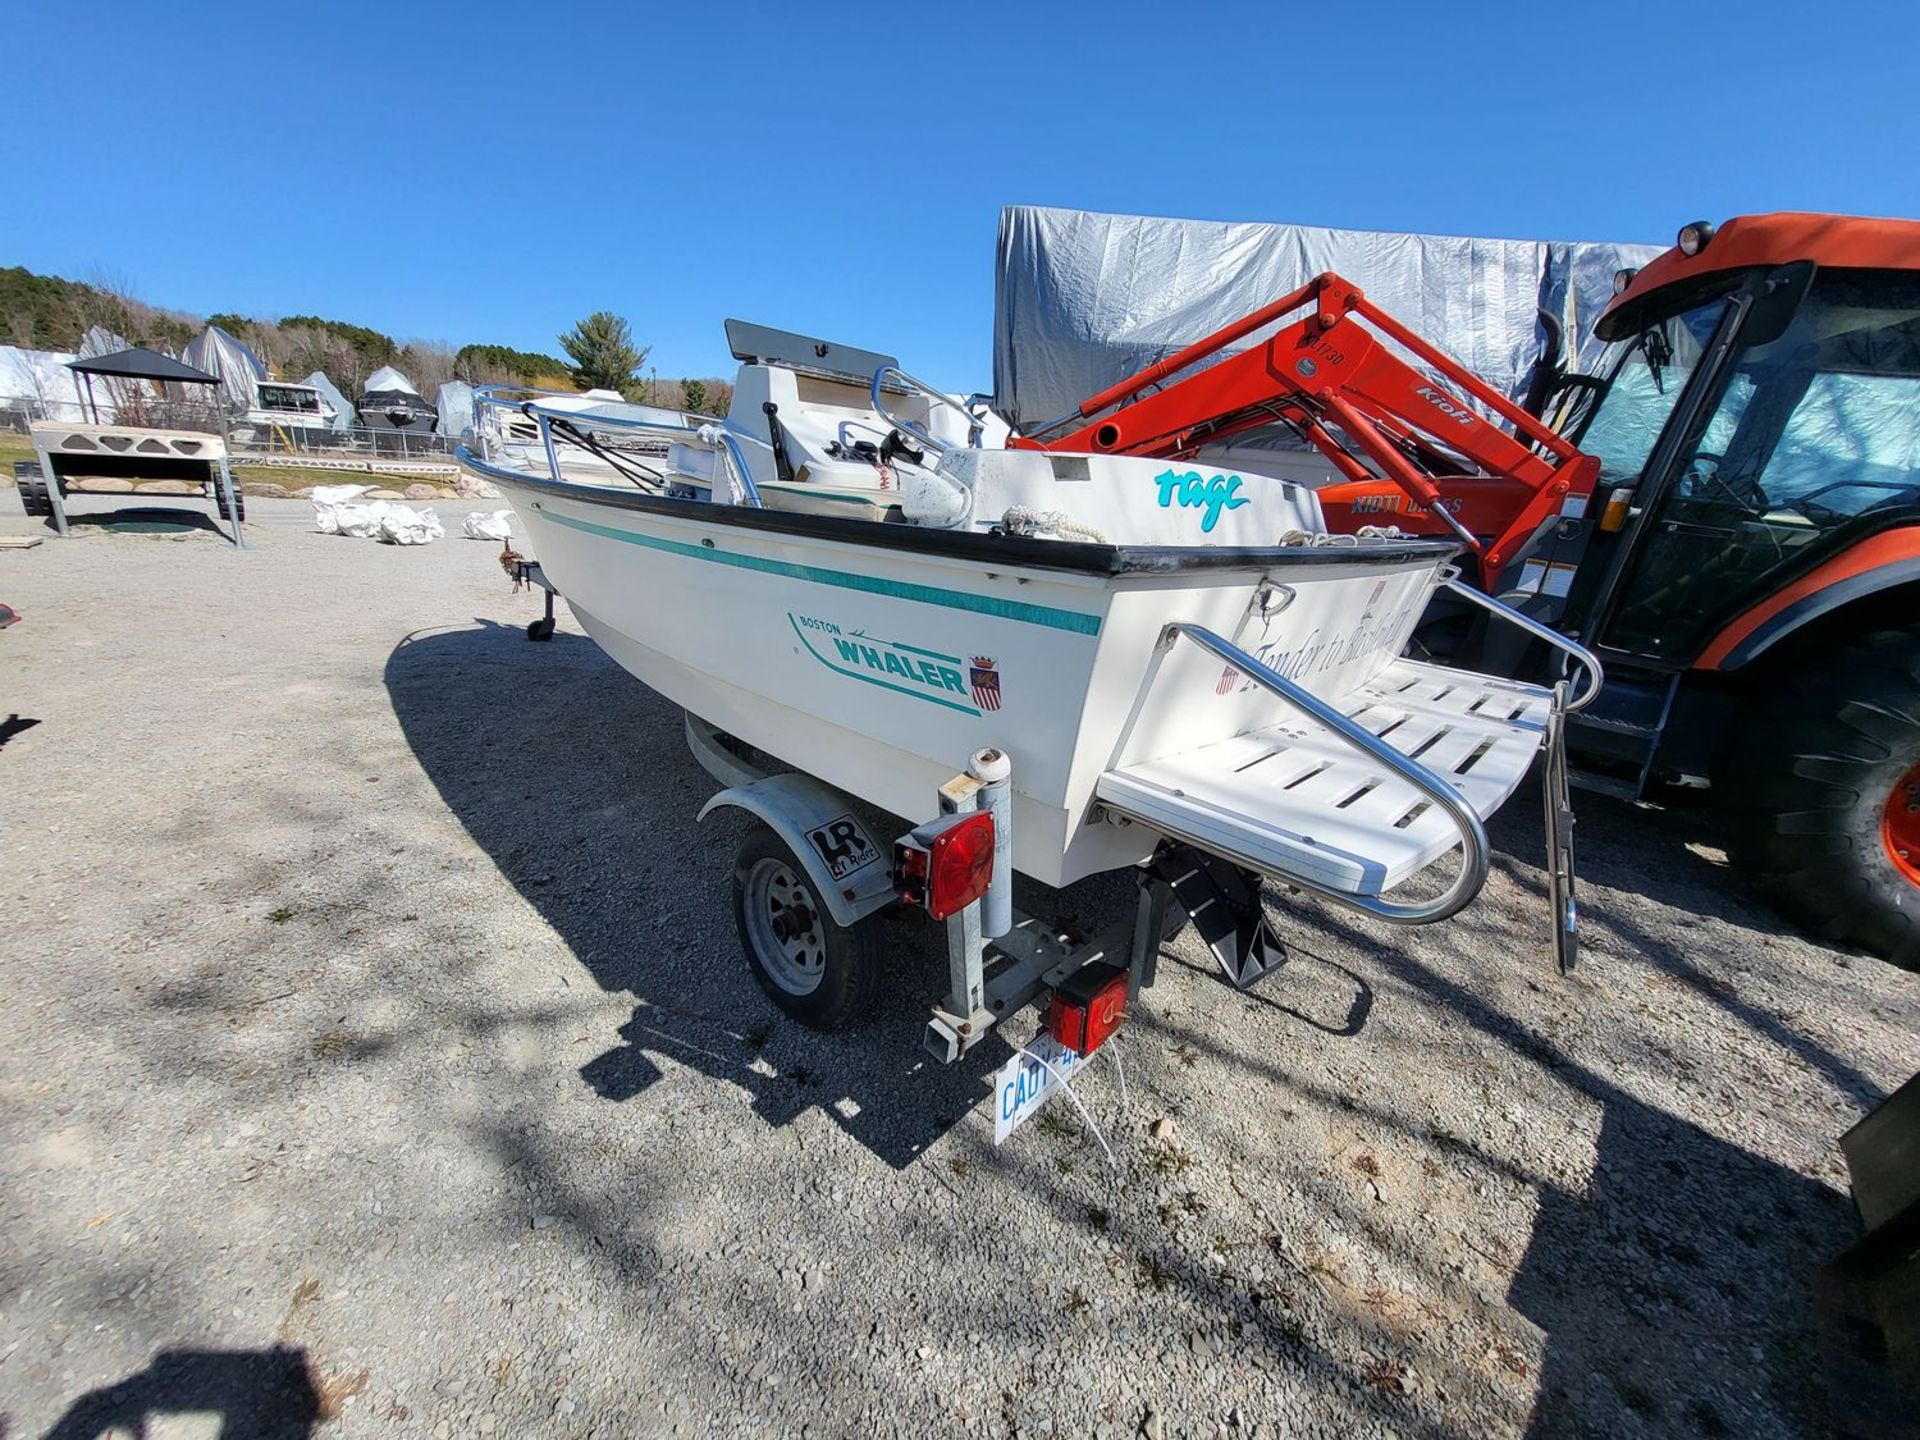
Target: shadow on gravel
[(576, 781), (257, 1394), (147, 520), (1645, 852), (15, 724), (1675, 1290)]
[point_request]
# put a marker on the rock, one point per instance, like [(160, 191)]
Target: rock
[(419, 491), (383, 495), (812, 1280), (1161, 1129), (305, 492), (100, 486), (265, 489), (167, 487), (1151, 1425), (472, 487)]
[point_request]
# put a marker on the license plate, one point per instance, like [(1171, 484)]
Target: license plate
[(1023, 1084)]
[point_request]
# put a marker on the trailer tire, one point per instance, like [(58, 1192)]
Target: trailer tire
[(823, 974), (1817, 790)]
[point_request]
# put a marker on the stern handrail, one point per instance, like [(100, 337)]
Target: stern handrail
[(1473, 835), (1575, 651), (905, 381)]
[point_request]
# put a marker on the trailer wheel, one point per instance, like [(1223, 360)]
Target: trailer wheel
[(1824, 797), (823, 974)]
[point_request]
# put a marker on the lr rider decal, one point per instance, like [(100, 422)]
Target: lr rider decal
[(905, 669), (1191, 492)]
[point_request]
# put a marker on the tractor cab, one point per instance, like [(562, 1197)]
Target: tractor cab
[(1749, 563), (1756, 420)]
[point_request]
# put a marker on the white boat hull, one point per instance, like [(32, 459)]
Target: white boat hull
[(880, 669)]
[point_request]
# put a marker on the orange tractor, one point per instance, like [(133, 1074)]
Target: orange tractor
[(1737, 533)]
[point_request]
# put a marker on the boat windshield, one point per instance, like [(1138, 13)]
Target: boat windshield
[(289, 397)]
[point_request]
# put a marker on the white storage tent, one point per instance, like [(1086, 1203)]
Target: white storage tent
[(240, 370)]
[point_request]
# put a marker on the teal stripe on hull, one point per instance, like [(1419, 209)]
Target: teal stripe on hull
[(1072, 621)]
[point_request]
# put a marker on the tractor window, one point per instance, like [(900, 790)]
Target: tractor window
[(1811, 432), (1647, 376)]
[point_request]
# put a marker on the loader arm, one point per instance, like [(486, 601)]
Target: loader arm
[(1339, 385)]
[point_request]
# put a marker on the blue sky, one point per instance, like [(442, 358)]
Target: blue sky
[(493, 173)]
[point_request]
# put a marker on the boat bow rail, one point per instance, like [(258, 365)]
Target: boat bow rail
[(706, 433)]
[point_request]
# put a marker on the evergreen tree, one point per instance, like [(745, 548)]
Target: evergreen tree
[(603, 353)]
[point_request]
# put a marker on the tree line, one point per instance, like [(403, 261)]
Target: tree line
[(46, 312)]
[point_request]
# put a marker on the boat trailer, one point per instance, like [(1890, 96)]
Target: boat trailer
[(1001, 961)]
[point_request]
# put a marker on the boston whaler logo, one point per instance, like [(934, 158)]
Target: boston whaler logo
[(939, 679), (1213, 495), (985, 676)]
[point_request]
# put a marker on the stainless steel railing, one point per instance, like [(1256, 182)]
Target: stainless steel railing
[(1575, 651), (1473, 835), (901, 380), (673, 424)]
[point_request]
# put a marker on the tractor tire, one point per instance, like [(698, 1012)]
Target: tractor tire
[(1823, 796)]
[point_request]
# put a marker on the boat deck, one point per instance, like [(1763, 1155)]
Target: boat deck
[(1293, 799)]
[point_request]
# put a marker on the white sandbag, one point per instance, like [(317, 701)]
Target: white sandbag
[(488, 525), (403, 525), (361, 522), (330, 500)]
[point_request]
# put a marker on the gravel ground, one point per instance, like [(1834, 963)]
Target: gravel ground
[(379, 1061)]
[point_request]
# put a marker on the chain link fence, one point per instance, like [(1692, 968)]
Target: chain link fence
[(265, 441)]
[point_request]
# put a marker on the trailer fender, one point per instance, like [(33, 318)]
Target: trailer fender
[(849, 870)]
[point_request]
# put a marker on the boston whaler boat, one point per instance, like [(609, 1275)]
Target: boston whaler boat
[(1142, 667)]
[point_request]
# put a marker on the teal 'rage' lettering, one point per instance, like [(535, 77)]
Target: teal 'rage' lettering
[(1222, 492)]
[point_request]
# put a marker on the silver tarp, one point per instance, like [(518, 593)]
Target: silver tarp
[(1083, 300), (343, 413), (453, 402), (218, 353)]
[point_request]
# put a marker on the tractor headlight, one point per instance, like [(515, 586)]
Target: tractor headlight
[(1622, 279), (1694, 237)]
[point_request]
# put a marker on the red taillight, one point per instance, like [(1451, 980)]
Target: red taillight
[(945, 866), (1089, 1006)]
